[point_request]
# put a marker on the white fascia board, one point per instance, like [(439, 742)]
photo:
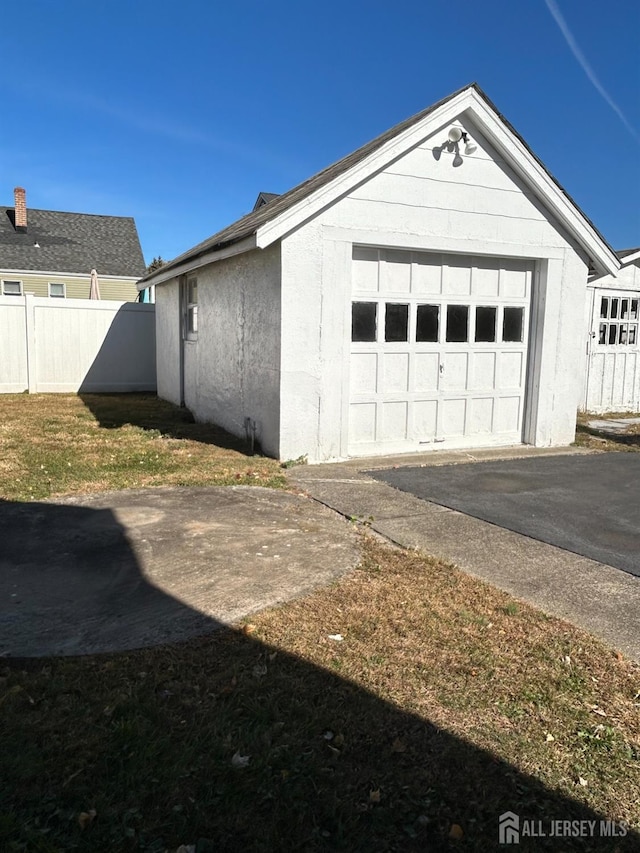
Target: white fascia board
[(630, 259), (390, 151), (509, 146), (202, 261), (519, 158)]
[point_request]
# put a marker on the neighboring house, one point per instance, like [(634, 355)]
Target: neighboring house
[(49, 253), (612, 374), (427, 291)]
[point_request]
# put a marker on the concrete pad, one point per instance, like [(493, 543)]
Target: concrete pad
[(615, 426), (124, 570), (597, 597)]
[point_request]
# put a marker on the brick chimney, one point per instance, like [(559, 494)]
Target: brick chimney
[(20, 204)]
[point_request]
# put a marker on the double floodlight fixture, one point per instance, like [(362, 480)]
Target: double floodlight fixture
[(456, 134)]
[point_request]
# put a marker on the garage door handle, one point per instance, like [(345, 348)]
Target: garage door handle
[(442, 368)]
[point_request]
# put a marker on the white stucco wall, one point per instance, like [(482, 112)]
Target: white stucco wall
[(421, 202), (232, 371), (168, 341)]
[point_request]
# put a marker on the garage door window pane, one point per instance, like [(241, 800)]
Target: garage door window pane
[(427, 323), (396, 323), (485, 324), (457, 323), (634, 309), (363, 321), (604, 307), (513, 323)]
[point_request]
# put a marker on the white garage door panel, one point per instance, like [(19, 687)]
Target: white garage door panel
[(613, 367), (438, 352)]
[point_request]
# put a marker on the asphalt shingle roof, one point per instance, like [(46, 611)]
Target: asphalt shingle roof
[(249, 224), (71, 242)]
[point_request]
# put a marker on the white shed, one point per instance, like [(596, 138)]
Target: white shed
[(612, 372), (426, 291)]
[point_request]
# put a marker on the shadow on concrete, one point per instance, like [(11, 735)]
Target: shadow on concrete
[(70, 581), (148, 411), (168, 744)]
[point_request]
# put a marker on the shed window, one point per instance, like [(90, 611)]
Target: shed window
[(57, 289), (363, 321), (12, 288), (190, 308)]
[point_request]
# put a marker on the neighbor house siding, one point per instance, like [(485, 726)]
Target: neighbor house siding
[(76, 286), (423, 202)]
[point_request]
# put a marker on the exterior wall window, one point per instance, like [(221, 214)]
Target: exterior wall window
[(190, 309), (11, 288), (57, 290), (618, 321)]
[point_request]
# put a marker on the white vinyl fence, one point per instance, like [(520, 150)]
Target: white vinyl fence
[(69, 345)]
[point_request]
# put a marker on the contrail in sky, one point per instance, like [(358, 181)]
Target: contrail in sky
[(582, 60)]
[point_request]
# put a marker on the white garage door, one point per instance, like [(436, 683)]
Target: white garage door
[(438, 351)]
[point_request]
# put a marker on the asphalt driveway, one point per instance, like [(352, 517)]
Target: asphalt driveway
[(589, 505)]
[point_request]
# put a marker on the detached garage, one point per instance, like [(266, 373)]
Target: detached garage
[(427, 291)]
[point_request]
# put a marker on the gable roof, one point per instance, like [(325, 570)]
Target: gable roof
[(269, 223), (71, 243), (264, 198)]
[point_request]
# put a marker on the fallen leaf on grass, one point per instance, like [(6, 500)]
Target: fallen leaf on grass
[(599, 711), (456, 832), (337, 637), (249, 628), (374, 796), (582, 781), (549, 737), (85, 819), (240, 760)]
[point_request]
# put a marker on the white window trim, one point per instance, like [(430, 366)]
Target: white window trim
[(13, 281), (64, 289), (188, 308)]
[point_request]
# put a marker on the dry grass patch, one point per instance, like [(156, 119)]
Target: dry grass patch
[(55, 444), (595, 439), (444, 704)]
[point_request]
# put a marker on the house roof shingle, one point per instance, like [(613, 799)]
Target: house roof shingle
[(249, 224), (71, 243)]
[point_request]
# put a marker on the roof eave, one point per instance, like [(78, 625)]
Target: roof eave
[(176, 269)]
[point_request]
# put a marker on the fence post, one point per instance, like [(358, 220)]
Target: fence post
[(30, 333)]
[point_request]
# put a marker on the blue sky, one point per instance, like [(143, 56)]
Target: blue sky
[(180, 113)]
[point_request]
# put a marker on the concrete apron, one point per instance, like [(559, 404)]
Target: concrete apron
[(599, 598), (129, 569)]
